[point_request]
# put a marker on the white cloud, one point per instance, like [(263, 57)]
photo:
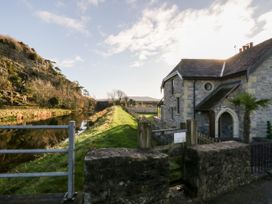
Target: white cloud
[(170, 34), (67, 22), (83, 5), (67, 63), (137, 64), (266, 33)]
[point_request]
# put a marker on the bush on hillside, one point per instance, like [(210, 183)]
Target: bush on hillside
[(53, 102)]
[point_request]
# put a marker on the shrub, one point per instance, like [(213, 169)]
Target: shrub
[(53, 101), (33, 56)]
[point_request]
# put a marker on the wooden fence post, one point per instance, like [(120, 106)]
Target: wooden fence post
[(191, 133), (144, 134)]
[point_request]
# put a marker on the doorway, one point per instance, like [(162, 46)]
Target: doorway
[(225, 124)]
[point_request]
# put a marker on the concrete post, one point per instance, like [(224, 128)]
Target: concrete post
[(144, 134), (191, 134)]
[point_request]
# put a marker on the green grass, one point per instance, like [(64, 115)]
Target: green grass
[(148, 115), (116, 129)]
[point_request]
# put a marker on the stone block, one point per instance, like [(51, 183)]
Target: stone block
[(125, 176), (217, 168)]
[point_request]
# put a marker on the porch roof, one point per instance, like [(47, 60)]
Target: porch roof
[(222, 91)]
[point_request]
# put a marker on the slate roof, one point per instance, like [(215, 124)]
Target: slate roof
[(249, 59), (242, 62), (220, 92), (199, 68)]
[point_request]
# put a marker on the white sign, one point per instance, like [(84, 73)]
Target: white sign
[(179, 137)]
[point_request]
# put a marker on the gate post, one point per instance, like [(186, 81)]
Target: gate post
[(71, 161), (191, 133), (144, 134)]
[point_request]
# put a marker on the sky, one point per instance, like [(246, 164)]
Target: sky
[(132, 45)]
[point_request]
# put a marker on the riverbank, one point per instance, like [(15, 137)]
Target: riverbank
[(16, 115), (113, 128)]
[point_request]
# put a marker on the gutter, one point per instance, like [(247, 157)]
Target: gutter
[(223, 69), (169, 77), (194, 98)]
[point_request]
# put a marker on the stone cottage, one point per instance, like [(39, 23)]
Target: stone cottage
[(200, 89)]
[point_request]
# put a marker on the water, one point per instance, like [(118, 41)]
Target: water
[(35, 139)]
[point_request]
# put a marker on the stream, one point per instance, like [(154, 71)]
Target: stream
[(35, 139)]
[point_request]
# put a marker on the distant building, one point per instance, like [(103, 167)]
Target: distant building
[(200, 88), (143, 104)]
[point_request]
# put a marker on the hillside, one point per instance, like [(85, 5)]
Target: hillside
[(28, 79)]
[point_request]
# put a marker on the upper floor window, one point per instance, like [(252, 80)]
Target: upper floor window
[(172, 86), (208, 86)]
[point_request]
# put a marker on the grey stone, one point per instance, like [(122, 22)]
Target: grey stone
[(125, 176), (257, 83), (217, 168)]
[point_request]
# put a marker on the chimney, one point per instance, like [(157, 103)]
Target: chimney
[(244, 47)]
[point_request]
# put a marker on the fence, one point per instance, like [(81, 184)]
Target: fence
[(160, 139), (143, 110), (261, 157), (205, 139), (166, 136), (70, 152)]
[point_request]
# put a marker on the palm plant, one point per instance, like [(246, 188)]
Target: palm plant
[(249, 103)]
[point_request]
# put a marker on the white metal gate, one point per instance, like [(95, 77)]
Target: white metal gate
[(69, 151)]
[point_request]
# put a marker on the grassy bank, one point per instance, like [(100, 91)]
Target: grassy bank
[(116, 128), (11, 116)]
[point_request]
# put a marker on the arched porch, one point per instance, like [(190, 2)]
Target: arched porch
[(227, 124)]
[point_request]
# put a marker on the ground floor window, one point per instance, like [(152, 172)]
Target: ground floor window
[(178, 105)]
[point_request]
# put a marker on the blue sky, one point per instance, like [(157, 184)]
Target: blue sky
[(132, 44)]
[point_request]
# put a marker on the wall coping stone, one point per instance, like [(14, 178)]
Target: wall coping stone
[(140, 154), (228, 145)]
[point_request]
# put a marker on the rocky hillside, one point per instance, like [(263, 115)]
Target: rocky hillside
[(28, 79)]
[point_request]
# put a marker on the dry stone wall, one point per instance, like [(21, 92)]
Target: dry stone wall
[(125, 176), (217, 168)]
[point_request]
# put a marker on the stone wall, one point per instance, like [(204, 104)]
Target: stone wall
[(170, 101), (213, 169), (125, 176), (184, 89), (143, 110), (259, 84)]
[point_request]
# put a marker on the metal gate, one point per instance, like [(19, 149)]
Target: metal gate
[(69, 151), (261, 157)]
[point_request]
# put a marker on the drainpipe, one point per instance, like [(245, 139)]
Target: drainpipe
[(194, 97)]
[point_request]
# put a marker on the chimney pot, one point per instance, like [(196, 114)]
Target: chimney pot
[(244, 48)]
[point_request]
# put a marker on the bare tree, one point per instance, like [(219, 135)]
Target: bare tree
[(111, 97), (85, 92), (117, 96), (120, 95), (126, 99)]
